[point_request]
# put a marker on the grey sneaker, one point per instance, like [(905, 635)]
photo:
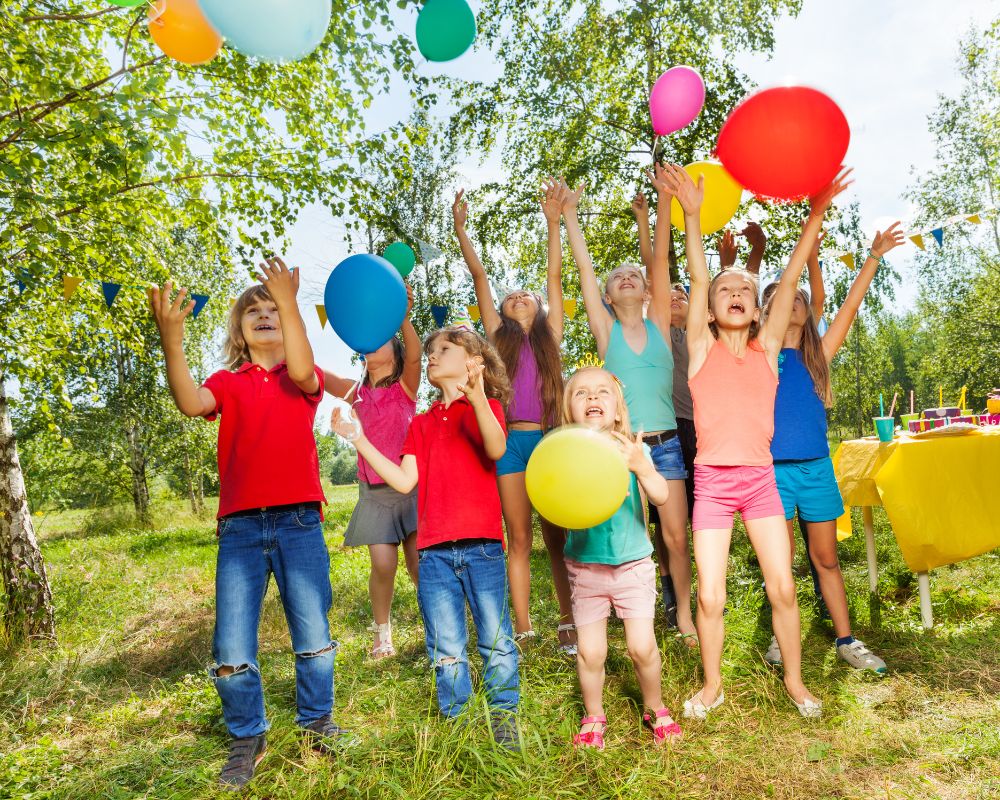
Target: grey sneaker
[(244, 756), (327, 736), (860, 657), (773, 654), (504, 727)]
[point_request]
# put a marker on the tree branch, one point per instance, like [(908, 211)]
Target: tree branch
[(70, 17)]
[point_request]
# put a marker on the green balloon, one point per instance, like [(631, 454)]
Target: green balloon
[(401, 256), (445, 29), (127, 3)]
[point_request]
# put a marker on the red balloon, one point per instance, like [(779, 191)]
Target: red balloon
[(784, 143)]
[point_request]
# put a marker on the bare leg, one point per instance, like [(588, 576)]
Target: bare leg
[(673, 519), (555, 541), (384, 558), (410, 556), (711, 555), (642, 649), (823, 552), (517, 518), (592, 652)]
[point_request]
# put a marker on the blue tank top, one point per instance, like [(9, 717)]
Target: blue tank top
[(799, 414), (647, 378)]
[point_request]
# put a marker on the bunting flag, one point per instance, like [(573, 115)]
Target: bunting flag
[(232, 302), (110, 291), (975, 219), (429, 252), (199, 303), (848, 259), (21, 286), (918, 240), (938, 233), (473, 313), (69, 286), (440, 314), (569, 308), (321, 313)]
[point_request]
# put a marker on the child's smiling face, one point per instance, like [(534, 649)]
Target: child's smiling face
[(260, 324), (592, 399), (625, 283), (520, 306)]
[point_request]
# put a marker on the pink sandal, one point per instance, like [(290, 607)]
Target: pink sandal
[(662, 733), (593, 739)]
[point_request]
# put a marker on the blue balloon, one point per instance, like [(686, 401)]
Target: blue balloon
[(272, 30), (365, 301)]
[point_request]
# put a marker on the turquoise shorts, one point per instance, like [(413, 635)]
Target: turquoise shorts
[(520, 446), (811, 487)]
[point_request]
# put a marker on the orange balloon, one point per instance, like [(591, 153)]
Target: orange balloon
[(181, 31)]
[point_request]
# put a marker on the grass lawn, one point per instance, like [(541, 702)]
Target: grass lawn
[(122, 707)]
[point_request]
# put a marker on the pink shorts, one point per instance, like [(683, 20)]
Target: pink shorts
[(629, 587), (719, 492)]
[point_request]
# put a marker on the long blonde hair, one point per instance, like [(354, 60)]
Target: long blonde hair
[(622, 424), (234, 348), (754, 283), (495, 380), (810, 345)]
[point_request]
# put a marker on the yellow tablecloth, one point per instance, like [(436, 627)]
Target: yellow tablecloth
[(940, 493)]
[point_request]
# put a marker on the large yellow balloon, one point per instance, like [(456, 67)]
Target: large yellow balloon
[(577, 478), (722, 197)]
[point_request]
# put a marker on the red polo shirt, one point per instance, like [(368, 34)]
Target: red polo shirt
[(267, 452), (457, 494)]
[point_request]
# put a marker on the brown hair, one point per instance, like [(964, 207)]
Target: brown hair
[(234, 348), (752, 280), (622, 425), (810, 345), (508, 339), (678, 287), (495, 380), (398, 355)]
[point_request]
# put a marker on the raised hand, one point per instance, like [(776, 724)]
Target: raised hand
[(727, 249), (474, 387), (553, 195), (282, 283), (658, 177), (346, 428), (169, 315), (886, 240), (817, 245), (632, 449), (754, 234), (640, 207), (460, 209), (819, 203), (572, 198), (409, 299), (679, 183)]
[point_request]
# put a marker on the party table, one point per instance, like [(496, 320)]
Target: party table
[(938, 490)]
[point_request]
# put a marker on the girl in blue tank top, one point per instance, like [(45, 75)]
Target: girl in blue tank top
[(802, 466)]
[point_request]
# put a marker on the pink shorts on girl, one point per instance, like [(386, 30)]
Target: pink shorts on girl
[(629, 587), (719, 492)]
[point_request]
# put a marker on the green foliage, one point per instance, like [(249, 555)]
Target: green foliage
[(337, 461)]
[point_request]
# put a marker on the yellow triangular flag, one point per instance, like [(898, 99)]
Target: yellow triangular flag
[(69, 286), (569, 306), (973, 218), (473, 313), (232, 302), (918, 240), (848, 259), (321, 313)]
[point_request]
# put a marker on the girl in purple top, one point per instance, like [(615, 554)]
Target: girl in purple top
[(383, 518), (527, 339)]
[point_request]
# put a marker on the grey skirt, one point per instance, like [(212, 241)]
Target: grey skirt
[(382, 516)]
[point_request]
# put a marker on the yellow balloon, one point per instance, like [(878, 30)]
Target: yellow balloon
[(722, 197), (576, 477)]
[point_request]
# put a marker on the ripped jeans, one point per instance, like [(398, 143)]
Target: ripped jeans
[(450, 576), (287, 543)]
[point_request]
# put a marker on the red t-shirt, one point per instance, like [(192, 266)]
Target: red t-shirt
[(267, 452), (457, 494)]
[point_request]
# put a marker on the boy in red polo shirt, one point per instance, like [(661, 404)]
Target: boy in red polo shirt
[(450, 455), (269, 504)]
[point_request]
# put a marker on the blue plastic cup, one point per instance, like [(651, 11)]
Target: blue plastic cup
[(884, 427)]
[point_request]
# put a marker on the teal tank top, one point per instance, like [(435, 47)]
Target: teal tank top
[(621, 539), (647, 377)]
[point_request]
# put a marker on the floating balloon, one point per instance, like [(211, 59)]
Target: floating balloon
[(365, 301), (722, 197), (401, 256), (784, 143), (272, 30), (181, 31), (445, 29), (675, 99), (576, 478)]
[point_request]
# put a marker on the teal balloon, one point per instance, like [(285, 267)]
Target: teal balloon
[(126, 3), (271, 30), (401, 256), (445, 29)]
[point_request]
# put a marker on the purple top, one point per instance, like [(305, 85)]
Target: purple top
[(526, 401), (385, 416)]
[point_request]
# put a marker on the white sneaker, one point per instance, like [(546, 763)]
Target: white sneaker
[(860, 657), (773, 654)]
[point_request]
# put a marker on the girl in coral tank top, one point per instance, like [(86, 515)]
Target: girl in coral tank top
[(733, 377)]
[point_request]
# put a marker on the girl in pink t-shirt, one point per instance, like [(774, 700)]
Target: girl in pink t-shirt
[(733, 377), (383, 518)]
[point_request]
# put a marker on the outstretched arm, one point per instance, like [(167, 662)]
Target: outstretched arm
[(640, 209), (884, 242), (553, 196), (487, 311), (598, 318), (401, 477), (754, 234), (817, 292), (412, 351), (283, 284), (658, 273)]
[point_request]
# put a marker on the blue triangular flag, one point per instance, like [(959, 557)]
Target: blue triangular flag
[(21, 286), (440, 314), (938, 233), (199, 303), (110, 291)]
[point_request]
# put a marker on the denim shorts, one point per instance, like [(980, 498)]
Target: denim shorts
[(668, 458), (520, 446), (811, 487)]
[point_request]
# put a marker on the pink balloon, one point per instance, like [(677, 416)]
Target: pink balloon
[(676, 99)]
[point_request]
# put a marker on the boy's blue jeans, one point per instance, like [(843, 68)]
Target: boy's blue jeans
[(287, 543), (451, 576)]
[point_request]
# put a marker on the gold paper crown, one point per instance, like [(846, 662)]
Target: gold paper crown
[(589, 360)]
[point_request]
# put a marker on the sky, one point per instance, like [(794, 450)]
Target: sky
[(885, 62)]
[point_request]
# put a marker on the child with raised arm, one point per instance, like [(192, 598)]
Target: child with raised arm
[(384, 519), (802, 466), (449, 455), (269, 520), (527, 335), (637, 351), (733, 379)]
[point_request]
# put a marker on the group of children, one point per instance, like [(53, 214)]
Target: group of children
[(724, 384)]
